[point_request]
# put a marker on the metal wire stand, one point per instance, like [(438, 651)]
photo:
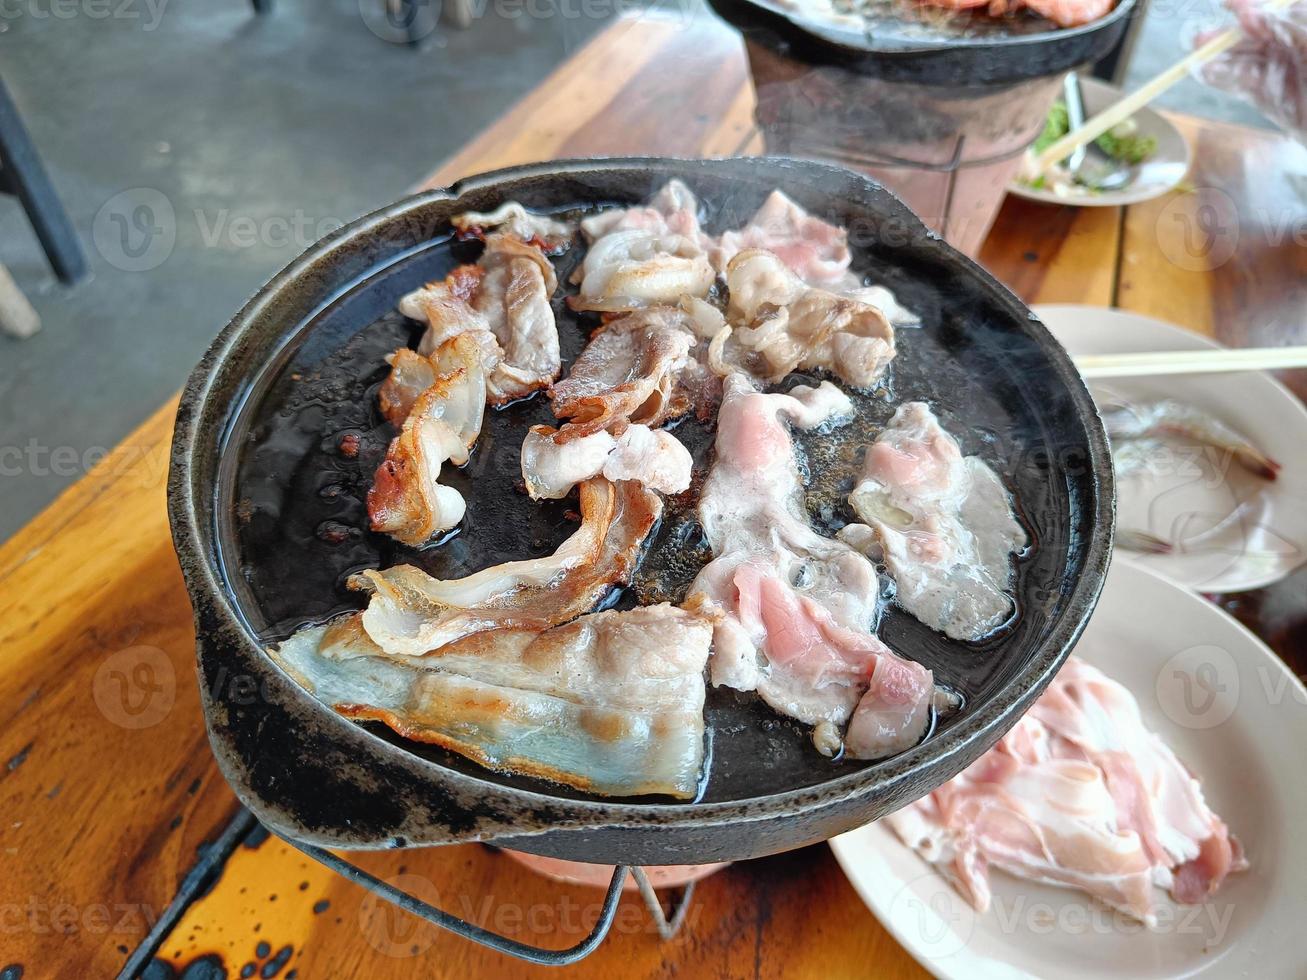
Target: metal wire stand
[(667, 921)]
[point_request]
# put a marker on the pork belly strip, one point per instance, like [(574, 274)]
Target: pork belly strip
[(407, 500), (653, 457), (944, 524), (611, 703), (633, 370), (410, 612), (538, 230), (1079, 793), (793, 609), (644, 256), (503, 302), (781, 324), (815, 250)]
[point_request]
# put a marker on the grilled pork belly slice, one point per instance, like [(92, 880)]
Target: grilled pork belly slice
[(511, 218), (654, 457), (631, 371), (611, 703), (407, 500), (815, 251), (781, 324), (503, 302), (884, 300), (644, 256), (673, 210), (792, 609), (1079, 793), (410, 612), (943, 522), (635, 269)]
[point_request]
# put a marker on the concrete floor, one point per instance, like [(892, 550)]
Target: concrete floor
[(244, 138), (219, 122)]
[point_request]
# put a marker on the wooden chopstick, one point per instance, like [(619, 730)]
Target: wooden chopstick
[(1206, 361), (1128, 105)]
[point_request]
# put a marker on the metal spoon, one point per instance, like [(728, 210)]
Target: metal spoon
[(1090, 165)]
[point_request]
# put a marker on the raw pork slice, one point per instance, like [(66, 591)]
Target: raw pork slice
[(1079, 793), (815, 251), (792, 609), (943, 522)]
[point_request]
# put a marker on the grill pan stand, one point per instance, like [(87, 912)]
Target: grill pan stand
[(668, 922), (321, 781)]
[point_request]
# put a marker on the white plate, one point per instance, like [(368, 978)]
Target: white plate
[(1186, 492), (1154, 177), (1235, 714)]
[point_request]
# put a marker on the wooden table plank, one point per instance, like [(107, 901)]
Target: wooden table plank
[(109, 788), (611, 99), (1051, 254)]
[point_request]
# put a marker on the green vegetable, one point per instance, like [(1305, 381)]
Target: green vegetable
[(1055, 127), (1127, 147), (1120, 143)]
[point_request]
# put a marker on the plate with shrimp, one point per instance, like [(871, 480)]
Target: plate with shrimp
[(1210, 469)]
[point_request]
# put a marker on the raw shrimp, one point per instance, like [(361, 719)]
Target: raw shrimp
[(1169, 419), (1143, 542)]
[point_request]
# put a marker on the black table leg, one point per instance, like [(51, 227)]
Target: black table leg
[(411, 12), (25, 177), (262, 6)]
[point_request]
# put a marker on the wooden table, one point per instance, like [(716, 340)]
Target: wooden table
[(119, 835)]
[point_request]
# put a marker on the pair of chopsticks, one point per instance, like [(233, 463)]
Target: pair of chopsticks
[(1122, 110), (1207, 361)]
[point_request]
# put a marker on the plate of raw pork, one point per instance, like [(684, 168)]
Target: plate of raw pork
[(1139, 820)]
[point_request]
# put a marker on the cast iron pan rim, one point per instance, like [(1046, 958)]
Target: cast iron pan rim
[(859, 43), (191, 534), (856, 43)]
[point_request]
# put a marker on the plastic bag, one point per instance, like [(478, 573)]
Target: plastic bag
[(1268, 67)]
